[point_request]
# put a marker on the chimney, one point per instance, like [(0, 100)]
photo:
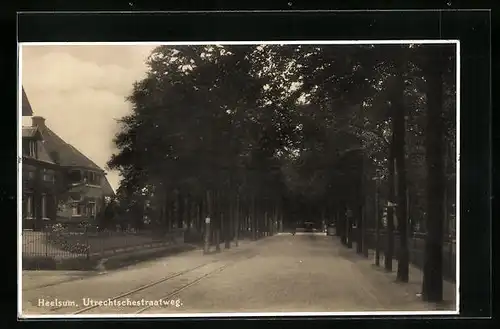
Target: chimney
[(37, 121)]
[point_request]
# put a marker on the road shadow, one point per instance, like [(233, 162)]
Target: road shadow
[(413, 288)]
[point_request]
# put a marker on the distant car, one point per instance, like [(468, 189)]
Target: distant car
[(330, 230), (308, 226)]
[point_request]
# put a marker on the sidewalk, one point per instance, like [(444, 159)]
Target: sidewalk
[(380, 277), (37, 279)]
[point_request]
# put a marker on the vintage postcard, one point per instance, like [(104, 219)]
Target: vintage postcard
[(238, 178)]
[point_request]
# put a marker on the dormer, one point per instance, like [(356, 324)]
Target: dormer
[(30, 139)]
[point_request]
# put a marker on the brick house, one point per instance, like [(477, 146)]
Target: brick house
[(60, 184)]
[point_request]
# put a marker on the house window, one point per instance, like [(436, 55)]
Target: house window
[(75, 176), (28, 206), (91, 209), (92, 178), (83, 211), (76, 210), (44, 206), (30, 148), (30, 174), (48, 177)]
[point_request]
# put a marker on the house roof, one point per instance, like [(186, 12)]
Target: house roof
[(25, 105), (106, 187), (53, 149), (43, 155), (64, 153)]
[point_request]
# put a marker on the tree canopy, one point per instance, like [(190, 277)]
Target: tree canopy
[(278, 125)]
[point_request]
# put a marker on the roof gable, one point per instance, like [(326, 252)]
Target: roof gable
[(32, 133), (64, 153)]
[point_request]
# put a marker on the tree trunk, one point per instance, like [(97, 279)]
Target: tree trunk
[(188, 212), (377, 224), (237, 221), (209, 212), (253, 220), (199, 220), (342, 224), (180, 210), (218, 220), (432, 288), (389, 252), (169, 206), (349, 222), (359, 229), (228, 222), (398, 116), (336, 220), (363, 234)]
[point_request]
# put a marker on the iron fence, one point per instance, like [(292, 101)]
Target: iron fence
[(63, 243)]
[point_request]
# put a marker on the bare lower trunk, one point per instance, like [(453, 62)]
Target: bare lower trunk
[(237, 221), (228, 224), (218, 220), (207, 221), (432, 288), (389, 252), (377, 225), (253, 221)]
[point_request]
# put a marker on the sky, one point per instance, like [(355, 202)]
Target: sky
[(80, 90)]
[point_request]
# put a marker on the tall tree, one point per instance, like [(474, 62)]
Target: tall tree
[(432, 288)]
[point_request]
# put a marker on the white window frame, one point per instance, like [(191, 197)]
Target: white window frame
[(48, 177), (75, 205), (32, 148), (92, 178), (93, 209)]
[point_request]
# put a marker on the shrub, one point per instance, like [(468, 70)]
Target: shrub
[(58, 237)]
